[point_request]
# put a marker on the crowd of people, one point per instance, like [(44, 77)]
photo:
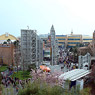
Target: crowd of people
[(14, 82), (7, 81), (67, 60)]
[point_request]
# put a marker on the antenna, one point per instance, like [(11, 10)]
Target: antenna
[(28, 27)]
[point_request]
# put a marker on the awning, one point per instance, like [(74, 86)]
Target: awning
[(74, 74)]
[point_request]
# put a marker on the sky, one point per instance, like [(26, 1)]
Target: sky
[(66, 16)]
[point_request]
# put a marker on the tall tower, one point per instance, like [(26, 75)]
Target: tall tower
[(52, 34), (53, 46)]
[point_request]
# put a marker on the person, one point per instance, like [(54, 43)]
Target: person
[(16, 89)]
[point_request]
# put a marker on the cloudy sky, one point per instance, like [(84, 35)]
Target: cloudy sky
[(65, 15)]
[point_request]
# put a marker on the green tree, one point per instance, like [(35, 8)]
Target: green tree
[(4, 42), (31, 66), (38, 88), (75, 53), (17, 53), (8, 40), (16, 43)]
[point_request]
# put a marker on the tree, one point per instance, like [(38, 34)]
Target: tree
[(51, 79), (17, 53), (38, 88), (8, 41), (16, 43), (92, 75), (4, 42), (71, 49), (74, 50), (80, 45), (31, 66)]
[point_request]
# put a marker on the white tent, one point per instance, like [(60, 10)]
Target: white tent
[(74, 74)]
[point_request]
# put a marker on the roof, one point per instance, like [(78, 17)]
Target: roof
[(52, 27), (74, 74), (7, 36), (61, 35)]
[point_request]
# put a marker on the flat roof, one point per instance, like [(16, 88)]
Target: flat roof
[(74, 74)]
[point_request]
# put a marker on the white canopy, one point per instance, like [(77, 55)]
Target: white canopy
[(74, 74)]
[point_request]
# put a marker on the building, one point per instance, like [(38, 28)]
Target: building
[(5, 37), (46, 53), (72, 40), (76, 78), (62, 39), (90, 48), (54, 47), (86, 39), (39, 51), (7, 50), (84, 61), (31, 48), (7, 54)]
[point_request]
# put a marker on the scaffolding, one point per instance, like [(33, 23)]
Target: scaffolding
[(30, 48)]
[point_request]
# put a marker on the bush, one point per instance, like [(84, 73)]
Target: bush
[(31, 66), (4, 65), (38, 88)]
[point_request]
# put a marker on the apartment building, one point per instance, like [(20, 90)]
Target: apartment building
[(31, 48)]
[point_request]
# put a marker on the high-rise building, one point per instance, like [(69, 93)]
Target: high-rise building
[(31, 48), (39, 51)]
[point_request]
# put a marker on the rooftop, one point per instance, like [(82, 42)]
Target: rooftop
[(74, 74)]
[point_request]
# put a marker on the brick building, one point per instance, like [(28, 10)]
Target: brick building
[(6, 54)]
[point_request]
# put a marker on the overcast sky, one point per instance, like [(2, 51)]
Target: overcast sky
[(65, 15)]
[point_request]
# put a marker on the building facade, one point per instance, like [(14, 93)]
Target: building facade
[(90, 48), (84, 61), (7, 54), (61, 40), (54, 46), (6, 36), (72, 40), (39, 51), (31, 48)]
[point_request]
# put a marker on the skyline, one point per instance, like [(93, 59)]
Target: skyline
[(65, 15)]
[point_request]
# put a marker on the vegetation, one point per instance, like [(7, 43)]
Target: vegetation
[(3, 68), (4, 42), (31, 66), (74, 50), (16, 43), (21, 75), (36, 88), (17, 53), (0, 81), (8, 40)]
